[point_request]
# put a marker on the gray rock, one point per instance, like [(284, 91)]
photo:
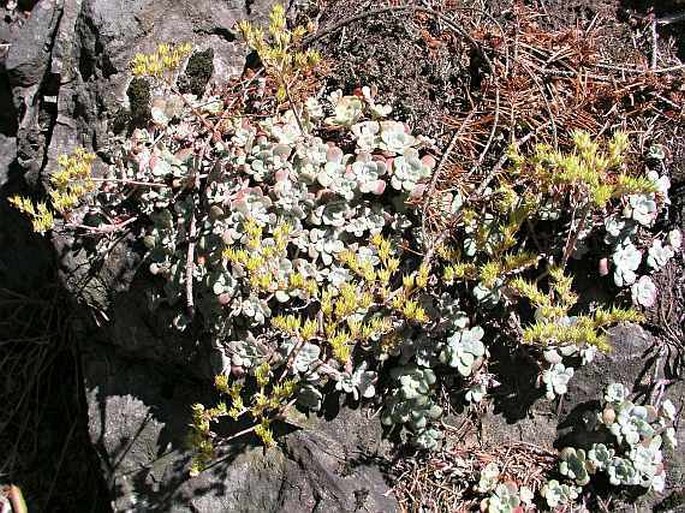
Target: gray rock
[(29, 53), (27, 66), (138, 421), (625, 363), (328, 468), (8, 153)]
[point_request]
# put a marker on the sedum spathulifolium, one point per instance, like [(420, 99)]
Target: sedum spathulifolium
[(629, 451), (297, 240)]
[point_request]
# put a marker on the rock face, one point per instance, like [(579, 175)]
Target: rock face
[(63, 80), (138, 415)]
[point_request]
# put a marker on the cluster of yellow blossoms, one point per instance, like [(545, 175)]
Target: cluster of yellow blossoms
[(68, 186), (165, 59)]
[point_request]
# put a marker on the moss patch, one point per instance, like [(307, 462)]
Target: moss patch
[(138, 93), (198, 72)]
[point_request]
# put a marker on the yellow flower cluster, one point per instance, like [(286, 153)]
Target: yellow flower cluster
[(489, 273), (289, 324), (588, 174), (166, 58), (237, 405), (586, 329), (201, 435), (459, 271), (374, 279), (263, 431), (68, 186), (341, 346), (283, 391), (41, 216), (221, 383), (262, 374), (72, 181), (410, 309), (277, 50), (261, 259), (337, 308)]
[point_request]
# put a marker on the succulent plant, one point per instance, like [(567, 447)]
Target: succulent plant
[(324, 244), (254, 204), (559, 494), (647, 461), (314, 108), (668, 410), (285, 130), (643, 292), (618, 230), (621, 472), (333, 213), (420, 349), (574, 465), (294, 239), (627, 259), (489, 477), (552, 356), (414, 382), (367, 134), (338, 275), (658, 255), (476, 392), (556, 379), (615, 393), (244, 353), (600, 457), (632, 423), (408, 170), (395, 138), (359, 383), (222, 284), (310, 156), (265, 159), (428, 438), (487, 297), (348, 109), (587, 354), (377, 110), (409, 401), (635, 458), (675, 239), (641, 208), (368, 219), (289, 233), (367, 173), (452, 316), (335, 176), (310, 398), (163, 110), (504, 499), (254, 309), (669, 438), (662, 184), (464, 350), (656, 152), (306, 357)]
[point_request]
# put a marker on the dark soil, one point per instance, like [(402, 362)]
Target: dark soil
[(423, 78), (44, 442)]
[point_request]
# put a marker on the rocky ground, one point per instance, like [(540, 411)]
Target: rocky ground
[(96, 389)]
